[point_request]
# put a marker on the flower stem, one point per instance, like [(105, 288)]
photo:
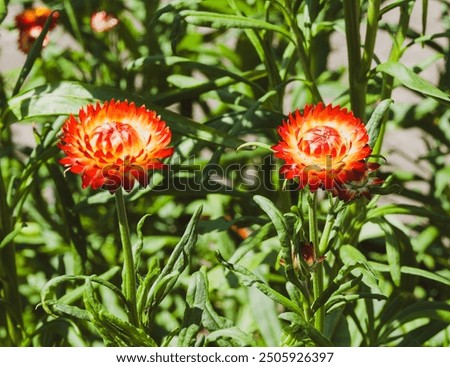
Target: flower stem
[(129, 273), (8, 272), (317, 275), (357, 87), (396, 53)]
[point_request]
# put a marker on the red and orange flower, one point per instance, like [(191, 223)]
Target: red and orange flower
[(30, 24), (326, 147), (101, 21), (114, 144)]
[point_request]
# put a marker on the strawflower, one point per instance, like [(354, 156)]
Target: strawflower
[(101, 21), (324, 147), (30, 24), (30, 18), (114, 144), (28, 38)]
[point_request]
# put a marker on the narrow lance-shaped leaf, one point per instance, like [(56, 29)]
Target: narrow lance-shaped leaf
[(279, 222), (227, 21), (375, 122), (137, 248), (58, 307), (234, 333), (413, 81), (413, 271), (33, 54), (3, 9), (249, 279), (392, 250), (10, 236), (114, 330), (66, 98), (281, 227), (177, 262), (336, 283), (195, 298)]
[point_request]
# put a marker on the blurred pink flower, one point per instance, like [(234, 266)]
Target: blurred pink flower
[(27, 38), (103, 22)]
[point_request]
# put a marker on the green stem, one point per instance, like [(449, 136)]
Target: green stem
[(331, 218), (129, 273), (306, 63), (317, 275), (8, 272), (352, 34), (395, 55), (304, 55), (373, 16)]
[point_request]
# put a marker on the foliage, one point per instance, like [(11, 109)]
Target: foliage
[(218, 236)]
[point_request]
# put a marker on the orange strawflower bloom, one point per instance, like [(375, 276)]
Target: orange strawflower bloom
[(114, 144), (35, 17), (103, 22), (27, 38), (30, 24), (325, 147)]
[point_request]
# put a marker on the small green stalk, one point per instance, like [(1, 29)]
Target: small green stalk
[(129, 272), (317, 278), (357, 87), (8, 272), (329, 223), (395, 55)]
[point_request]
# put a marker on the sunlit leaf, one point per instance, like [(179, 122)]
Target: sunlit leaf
[(413, 81), (66, 98)]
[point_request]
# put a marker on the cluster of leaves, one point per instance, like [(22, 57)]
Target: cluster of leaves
[(221, 72)]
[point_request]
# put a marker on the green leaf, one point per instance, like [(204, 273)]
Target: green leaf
[(340, 300), (425, 309), (255, 144), (404, 209), (176, 264), (237, 335), (195, 298), (3, 9), (210, 70), (413, 271), (279, 222), (351, 255), (337, 282), (137, 248), (392, 250), (413, 81), (66, 98), (62, 306), (10, 236), (425, 274), (375, 122), (265, 315), (417, 337), (393, 5), (189, 88), (114, 331), (145, 285), (300, 327), (227, 21), (249, 279)]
